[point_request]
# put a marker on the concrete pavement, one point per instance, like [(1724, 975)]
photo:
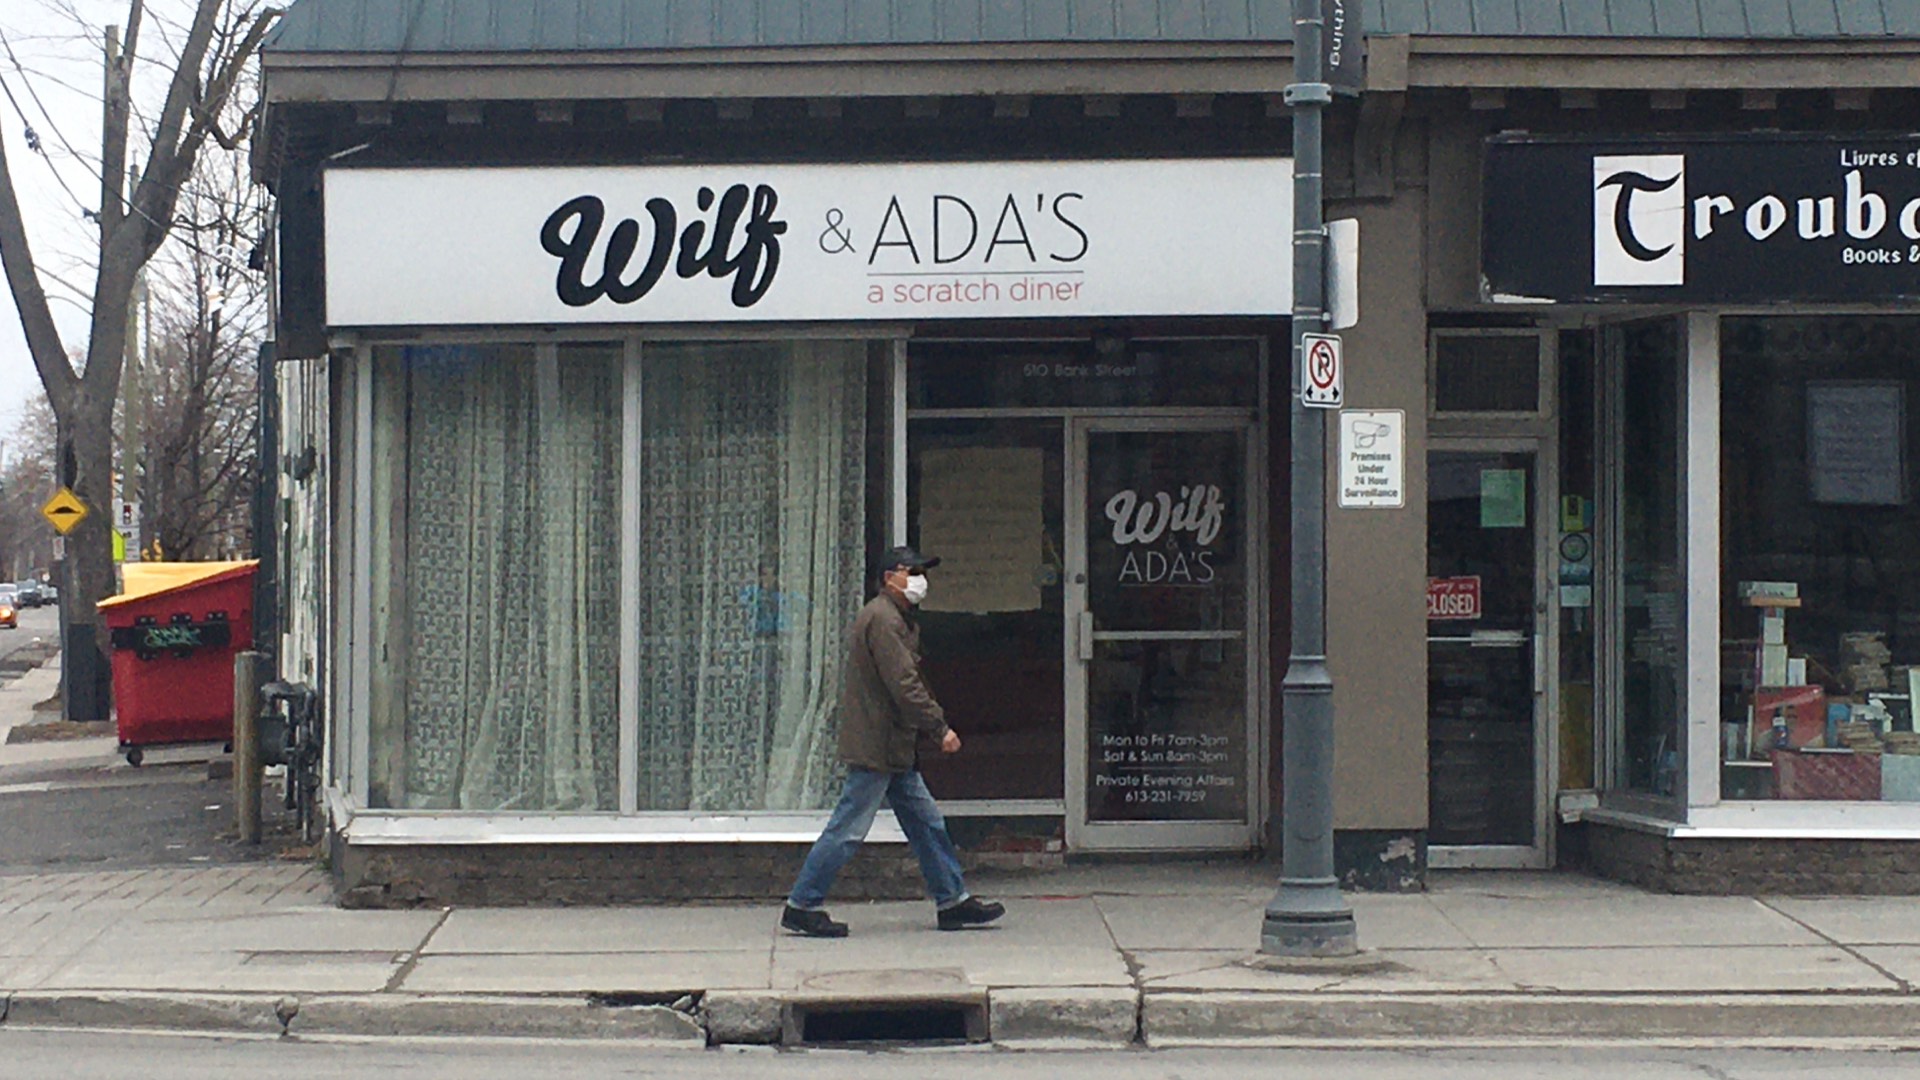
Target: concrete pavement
[(1112, 955), (1086, 957)]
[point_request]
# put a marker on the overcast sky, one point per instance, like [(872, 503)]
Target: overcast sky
[(57, 86)]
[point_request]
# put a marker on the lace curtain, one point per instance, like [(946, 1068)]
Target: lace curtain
[(511, 580), (752, 518)]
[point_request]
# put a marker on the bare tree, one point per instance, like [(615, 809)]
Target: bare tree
[(26, 475), (220, 42), (197, 397)]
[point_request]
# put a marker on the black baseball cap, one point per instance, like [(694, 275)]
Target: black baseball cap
[(904, 556)]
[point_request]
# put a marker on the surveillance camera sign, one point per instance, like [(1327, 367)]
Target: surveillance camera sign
[(1373, 459)]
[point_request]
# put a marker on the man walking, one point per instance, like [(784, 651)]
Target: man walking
[(885, 710)]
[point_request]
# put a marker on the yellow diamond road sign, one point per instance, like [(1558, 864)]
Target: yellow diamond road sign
[(65, 510)]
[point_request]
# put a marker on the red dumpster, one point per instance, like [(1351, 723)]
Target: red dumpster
[(175, 632)]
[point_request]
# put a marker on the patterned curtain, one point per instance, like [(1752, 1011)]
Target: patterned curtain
[(512, 577), (753, 508)]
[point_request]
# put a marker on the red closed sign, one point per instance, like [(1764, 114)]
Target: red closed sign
[(1453, 598)]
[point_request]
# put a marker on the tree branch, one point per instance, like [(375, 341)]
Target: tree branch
[(176, 150), (36, 318)]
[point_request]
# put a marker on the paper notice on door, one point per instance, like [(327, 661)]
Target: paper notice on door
[(1503, 498), (981, 512)]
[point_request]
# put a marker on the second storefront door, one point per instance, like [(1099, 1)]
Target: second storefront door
[(1487, 652)]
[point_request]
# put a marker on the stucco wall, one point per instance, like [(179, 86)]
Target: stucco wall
[(1377, 559), (1452, 248)]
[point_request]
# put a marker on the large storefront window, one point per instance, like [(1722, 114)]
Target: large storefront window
[(498, 591), (1820, 589), (496, 566), (752, 527), (1648, 591), (986, 495)]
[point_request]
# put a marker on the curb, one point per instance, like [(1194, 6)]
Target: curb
[(356, 1015), (172, 1012), (1244, 1018), (1031, 1018), (1065, 1018), (508, 1017)]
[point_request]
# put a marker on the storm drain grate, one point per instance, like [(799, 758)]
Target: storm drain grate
[(628, 999), (918, 1022)]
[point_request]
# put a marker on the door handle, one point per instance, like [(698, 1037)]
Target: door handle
[(1086, 635), (1539, 664)]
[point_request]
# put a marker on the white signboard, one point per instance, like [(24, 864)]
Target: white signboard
[(1373, 459), (1343, 274), (733, 243)]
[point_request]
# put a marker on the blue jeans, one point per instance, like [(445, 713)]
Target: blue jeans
[(919, 818)]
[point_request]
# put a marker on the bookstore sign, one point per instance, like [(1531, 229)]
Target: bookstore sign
[(1734, 219)]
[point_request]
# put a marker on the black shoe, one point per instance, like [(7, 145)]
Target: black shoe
[(971, 912), (811, 923)]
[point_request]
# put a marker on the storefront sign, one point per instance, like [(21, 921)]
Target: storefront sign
[(1736, 219), (733, 243), (1149, 529), (1373, 459), (1453, 599)]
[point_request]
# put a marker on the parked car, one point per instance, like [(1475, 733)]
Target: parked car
[(29, 594), (9, 610)]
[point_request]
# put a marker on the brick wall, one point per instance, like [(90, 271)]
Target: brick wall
[(1738, 867), (428, 875)]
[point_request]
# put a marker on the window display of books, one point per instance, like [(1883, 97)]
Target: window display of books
[(1846, 733)]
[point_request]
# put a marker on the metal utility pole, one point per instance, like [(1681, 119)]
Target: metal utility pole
[(1308, 917)]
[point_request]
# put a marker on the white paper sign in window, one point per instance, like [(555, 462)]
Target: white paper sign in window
[(1856, 442)]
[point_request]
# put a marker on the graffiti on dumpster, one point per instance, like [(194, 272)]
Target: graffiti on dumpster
[(171, 637), (148, 638)]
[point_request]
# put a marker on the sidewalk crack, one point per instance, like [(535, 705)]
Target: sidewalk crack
[(413, 959), (1132, 963), (1853, 951), (1448, 919)]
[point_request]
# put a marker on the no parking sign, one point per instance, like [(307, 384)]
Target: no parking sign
[(1321, 364)]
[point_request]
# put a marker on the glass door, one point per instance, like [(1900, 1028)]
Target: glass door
[(1161, 701), (1486, 653)]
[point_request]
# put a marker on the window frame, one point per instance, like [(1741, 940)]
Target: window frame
[(354, 527), (1544, 338)]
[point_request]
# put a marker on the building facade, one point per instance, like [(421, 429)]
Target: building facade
[(617, 343)]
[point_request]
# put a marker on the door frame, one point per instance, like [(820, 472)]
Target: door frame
[(1085, 835), (1546, 653)]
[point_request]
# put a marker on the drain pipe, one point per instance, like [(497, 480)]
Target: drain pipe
[(266, 498), (1308, 916)]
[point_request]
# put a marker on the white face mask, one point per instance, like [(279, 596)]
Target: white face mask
[(916, 589)]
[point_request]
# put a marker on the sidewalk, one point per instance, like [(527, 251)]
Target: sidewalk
[(1086, 956), (17, 700)]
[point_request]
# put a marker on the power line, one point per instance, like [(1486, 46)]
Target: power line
[(33, 143), (128, 205)]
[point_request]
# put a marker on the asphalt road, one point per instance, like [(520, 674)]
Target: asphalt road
[(40, 1055), (40, 622), (98, 813)]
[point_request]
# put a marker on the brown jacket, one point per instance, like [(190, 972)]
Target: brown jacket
[(885, 707)]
